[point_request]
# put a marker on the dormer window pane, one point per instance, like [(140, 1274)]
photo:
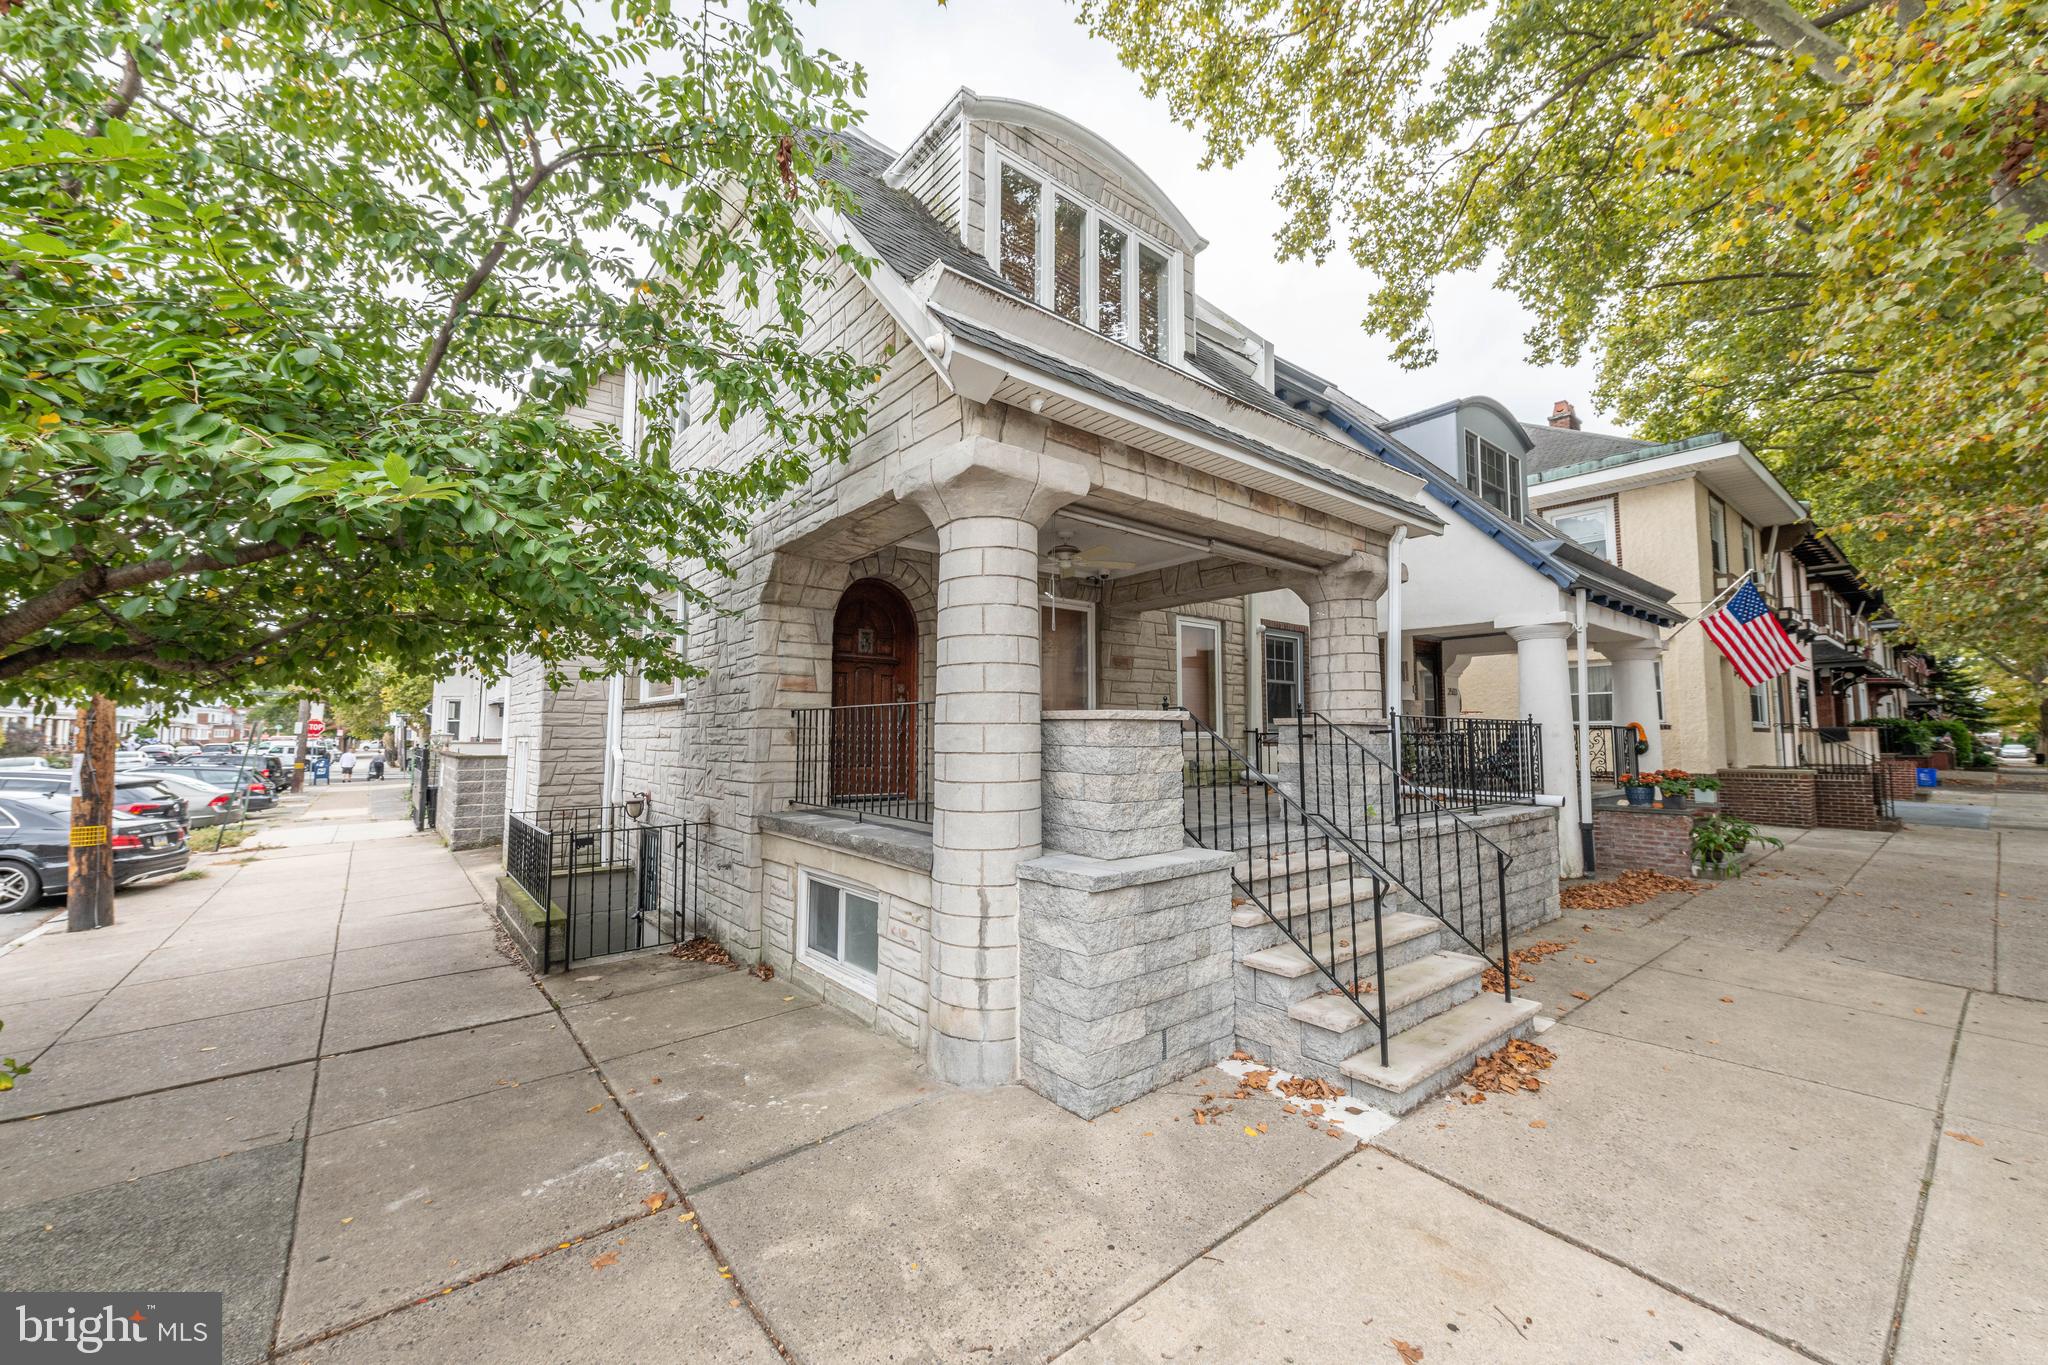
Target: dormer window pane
[(1109, 311), (1069, 230), (1151, 302), (1019, 238)]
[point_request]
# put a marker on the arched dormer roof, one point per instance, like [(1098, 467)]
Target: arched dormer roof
[(966, 104)]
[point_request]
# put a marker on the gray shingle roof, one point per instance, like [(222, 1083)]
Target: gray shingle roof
[(1557, 447)]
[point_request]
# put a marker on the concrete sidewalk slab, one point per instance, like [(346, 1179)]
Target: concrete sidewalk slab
[(1999, 1082), (436, 1196), (658, 1296), (97, 1069), (26, 1029), (1979, 1293), (727, 1102), (1780, 1200), (359, 1087), (370, 933), (151, 1004), (2023, 1021), (669, 1014), (625, 975), (413, 1009), (108, 1144), (1818, 980), (1861, 1050), (994, 1225), (1443, 1272), (387, 964), (219, 1226), (25, 979)]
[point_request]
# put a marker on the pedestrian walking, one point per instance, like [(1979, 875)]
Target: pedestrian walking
[(348, 767)]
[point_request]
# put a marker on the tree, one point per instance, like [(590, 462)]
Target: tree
[(302, 298), (1822, 232), (385, 689)]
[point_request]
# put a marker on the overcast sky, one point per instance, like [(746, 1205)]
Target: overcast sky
[(917, 53)]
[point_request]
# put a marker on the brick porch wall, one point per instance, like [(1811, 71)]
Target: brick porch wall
[(1625, 838), (1770, 796), (1845, 800)]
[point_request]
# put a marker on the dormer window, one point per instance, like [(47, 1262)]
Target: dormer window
[(1072, 258)]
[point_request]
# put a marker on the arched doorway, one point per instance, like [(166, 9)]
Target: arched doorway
[(875, 724)]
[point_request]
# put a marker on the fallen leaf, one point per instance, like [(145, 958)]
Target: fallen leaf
[(600, 1262), (641, 1167), (1727, 999), (655, 1201), (346, 1221), (1964, 1137), (1538, 1123), (1408, 1353), (685, 1217), (1250, 1131), (1580, 995), (595, 1107)]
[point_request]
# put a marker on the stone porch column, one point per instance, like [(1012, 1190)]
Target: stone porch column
[(1343, 640), (987, 500), (1543, 676), (1635, 693)]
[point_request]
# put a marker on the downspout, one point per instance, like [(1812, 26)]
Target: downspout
[(1396, 642), (1582, 734)]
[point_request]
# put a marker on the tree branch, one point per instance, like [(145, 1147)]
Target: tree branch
[(49, 606), (1796, 34)]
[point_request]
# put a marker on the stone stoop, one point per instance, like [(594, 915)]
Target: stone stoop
[(1438, 1018)]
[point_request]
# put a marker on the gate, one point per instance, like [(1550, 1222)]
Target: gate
[(607, 883)]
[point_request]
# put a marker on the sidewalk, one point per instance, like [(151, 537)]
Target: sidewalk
[(312, 1080)]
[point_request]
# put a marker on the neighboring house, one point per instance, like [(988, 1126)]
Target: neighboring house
[(978, 697), (467, 709), (55, 730)]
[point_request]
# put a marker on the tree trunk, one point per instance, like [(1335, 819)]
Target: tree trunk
[(90, 892), (299, 758)]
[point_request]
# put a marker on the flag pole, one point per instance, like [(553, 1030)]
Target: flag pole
[(1719, 598)]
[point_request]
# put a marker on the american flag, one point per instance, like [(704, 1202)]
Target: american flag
[(1751, 637)]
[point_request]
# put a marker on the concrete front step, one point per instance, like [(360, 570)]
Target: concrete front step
[(1398, 931), (1436, 976), (1428, 1059)]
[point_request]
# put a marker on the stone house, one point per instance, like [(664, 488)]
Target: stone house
[(980, 751)]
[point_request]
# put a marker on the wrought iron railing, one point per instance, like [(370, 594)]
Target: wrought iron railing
[(607, 883), (1830, 747), (872, 760), (1468, 762), (1610, 754), (1317, 885), (1413, 831), (426, 787)]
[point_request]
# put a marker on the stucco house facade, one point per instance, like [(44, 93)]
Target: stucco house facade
[(977, 752)]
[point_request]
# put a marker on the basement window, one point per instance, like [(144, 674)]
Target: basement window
[(839, 927)]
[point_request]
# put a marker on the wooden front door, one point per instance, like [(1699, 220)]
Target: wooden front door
[(874, 667)]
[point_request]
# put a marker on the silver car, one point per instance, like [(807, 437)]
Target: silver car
[(205, 804)]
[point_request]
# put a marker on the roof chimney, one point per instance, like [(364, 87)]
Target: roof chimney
[(1563, 415)]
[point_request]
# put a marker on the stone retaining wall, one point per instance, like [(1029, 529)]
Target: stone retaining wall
[(469, 802), (1111, 783)]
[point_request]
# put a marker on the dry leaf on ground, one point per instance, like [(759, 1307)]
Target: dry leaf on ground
[(1631, 888), (600, 1262), (1309, 1088), (701, 949), (1964, 1137), (1408, 1353), (1512, 1068), (1518, 960)]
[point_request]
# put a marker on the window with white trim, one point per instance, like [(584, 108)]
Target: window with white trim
[(1599, 692), (1760, 707), (1494, 474), (1198, 682), (1749, 549), (676, 611), (451, 723), (1589, 524), (840, 928), (1657, 672), (1717, 535), (1080, 262)]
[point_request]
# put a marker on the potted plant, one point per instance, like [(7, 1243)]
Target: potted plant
[(1706, 790), (1642, 789), (1718, 842), (1675, 785)]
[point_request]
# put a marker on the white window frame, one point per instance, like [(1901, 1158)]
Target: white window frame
[(832, 968), (1209, 624), (1087, 609), (1172, 324), (678, 608), (1762, 699), (1472, 454), (1717, 544), (1657, 672), (1298, 634), (1593, 670), (1605, 508), (1746, 538), (451, 717)]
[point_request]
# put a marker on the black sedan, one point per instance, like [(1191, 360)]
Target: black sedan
[(35, 848)]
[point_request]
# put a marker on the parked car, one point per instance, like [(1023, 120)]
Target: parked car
[(205, 804), (220, 747), (23, 762), (135, 792), (247, 780), (35, 848), (2014, 750)]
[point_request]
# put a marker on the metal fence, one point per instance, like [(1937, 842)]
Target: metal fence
[(606, 882), (425, 785), (1466, 762), (873, 760), (1610, 754)]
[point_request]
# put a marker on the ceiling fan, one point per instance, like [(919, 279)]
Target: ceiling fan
[(1068, 559)]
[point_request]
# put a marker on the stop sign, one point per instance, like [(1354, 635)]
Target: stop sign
[(315, 727)]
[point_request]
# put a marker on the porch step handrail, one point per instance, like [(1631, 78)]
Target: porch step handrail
[(1340, 777), (1218, 785)]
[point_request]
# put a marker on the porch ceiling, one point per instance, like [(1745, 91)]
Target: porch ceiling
[(1088, 544)]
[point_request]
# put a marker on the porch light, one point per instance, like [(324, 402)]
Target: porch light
[(636, 805)]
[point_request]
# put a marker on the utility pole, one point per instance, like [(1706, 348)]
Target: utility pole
[(90, 890), (299, 757)]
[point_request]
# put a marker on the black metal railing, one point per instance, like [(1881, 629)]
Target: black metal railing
[(1318, 886), (1831, 747), (425, 785), (606, 882), (872, 760), (1468, 762), (1413, 831), (1610, 754)]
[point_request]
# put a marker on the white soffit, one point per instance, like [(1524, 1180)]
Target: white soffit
[(1728, 470)]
